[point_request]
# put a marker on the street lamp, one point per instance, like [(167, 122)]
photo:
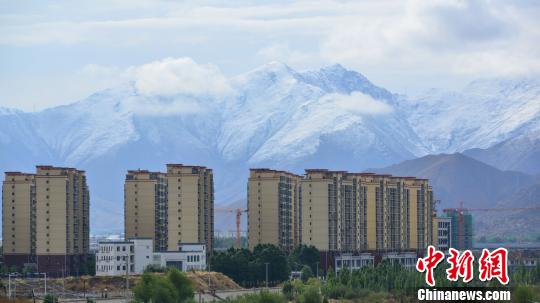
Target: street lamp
[(266, 264)]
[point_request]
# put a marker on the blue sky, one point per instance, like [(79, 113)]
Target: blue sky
[(54, 53)]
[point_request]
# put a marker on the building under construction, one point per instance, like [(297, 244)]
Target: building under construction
[(462, 228)]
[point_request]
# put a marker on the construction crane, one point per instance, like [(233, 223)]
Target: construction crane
[(238, 212), (462, 210)]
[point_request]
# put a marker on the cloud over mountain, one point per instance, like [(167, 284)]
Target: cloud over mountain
[(273, 116)]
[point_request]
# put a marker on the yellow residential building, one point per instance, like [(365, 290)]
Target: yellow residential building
[(46, 219), (171, 208), (342, 211), (273, 208)]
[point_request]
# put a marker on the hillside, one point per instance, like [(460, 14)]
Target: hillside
[(521, 153), (521, 225), (457, 178)]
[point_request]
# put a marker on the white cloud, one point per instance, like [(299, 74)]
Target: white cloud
[(477, 38), (167, 77), (359, 103), (400, 45), (172, 76)]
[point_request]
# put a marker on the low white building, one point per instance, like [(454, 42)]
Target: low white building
[(406, 259), (190, 256), (353, 261), (116, 258), (357, 261)]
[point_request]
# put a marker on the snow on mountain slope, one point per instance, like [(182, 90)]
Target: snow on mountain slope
[(272, 116), (520, 153), (282, 114), (486, 112)]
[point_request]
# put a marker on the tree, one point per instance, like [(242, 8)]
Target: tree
[(311, 295), (278, 269), (304, 255), (306, 273), (181, 283), (522, 294), (288, 290), (174, 287)]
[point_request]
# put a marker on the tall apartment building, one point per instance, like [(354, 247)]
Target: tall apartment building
[(46, 219), (145, 207), (172, 207), (341, 211), (273, 208), (344, 211)]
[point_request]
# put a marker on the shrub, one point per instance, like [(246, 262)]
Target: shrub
[(174, 287), (522, 294), (311, 295), (262, 297), (50, 299), (306, 273), (288, 290)]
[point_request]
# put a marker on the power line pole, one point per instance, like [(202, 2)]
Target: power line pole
[(127, 274), (45, 275), (266, 264)]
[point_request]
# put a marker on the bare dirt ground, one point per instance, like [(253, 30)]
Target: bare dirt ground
[(202, 282)]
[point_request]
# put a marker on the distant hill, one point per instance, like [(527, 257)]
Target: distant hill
[(525, 224), (521, 153), (456, 178)]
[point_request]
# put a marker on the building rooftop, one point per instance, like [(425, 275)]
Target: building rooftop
[(142, 171), (187, 166), (273, 171), (18, 173)]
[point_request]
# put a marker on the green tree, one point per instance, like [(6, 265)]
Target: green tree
[(182, 285), (173, 287), (278, 269), (288, 290), (306, 273), (310, 295), (304, 255), (522, 294)]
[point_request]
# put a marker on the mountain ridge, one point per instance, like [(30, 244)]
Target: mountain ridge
[(272, 116)]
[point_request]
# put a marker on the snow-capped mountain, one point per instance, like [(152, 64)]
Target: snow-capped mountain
[(485, 113), (272, 116)]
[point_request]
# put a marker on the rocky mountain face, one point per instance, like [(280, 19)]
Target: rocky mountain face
[(274, 117)]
